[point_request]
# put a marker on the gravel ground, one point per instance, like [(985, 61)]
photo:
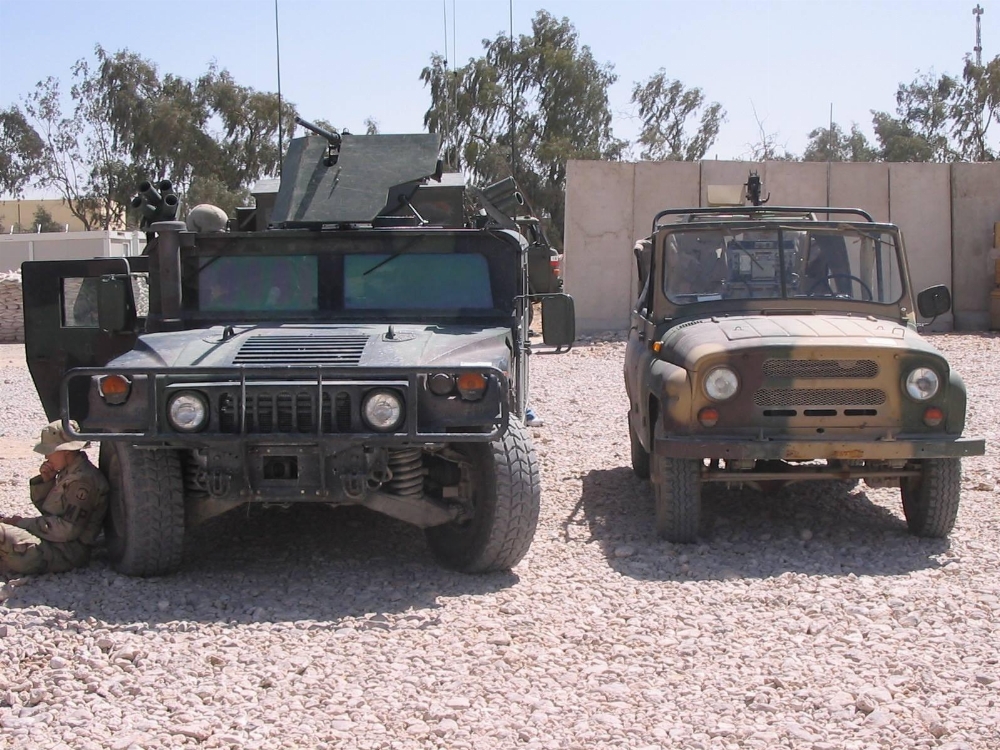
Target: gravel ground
[(809, 619)]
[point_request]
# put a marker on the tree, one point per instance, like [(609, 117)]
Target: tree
[(921, 130), (833, 144), (524, 109), (129, 124), (975, 105), (767, 147), (21, 150), (42, 221), (667, 110)]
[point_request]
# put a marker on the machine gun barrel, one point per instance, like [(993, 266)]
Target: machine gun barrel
[(333, 138)]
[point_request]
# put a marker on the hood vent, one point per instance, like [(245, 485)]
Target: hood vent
[(332, 351)]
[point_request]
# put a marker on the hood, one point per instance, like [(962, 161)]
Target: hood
[(688, 343), (327, 345)]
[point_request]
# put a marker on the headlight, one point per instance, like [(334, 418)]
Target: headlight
[(382, 410), (441, 383), (187, 411), (922, 383), (721, 383)]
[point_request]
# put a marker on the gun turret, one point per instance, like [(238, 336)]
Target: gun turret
[(156, 203)]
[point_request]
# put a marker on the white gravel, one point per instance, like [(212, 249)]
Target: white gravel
[(809, 619)]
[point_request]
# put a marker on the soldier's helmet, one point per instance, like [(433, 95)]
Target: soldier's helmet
[(54, 438)]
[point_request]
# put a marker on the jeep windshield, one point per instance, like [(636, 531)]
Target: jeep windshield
[(760, 261), (309, 279)]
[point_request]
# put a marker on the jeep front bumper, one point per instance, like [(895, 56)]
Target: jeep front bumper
[(903, 447)]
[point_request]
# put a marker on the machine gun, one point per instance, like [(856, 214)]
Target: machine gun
[(754, 186), (333, 139), (157, 203)]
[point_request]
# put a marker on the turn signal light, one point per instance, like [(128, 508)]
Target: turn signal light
[(471, 385), (657, 345), (708, 416), (115, 389), (933, 416)]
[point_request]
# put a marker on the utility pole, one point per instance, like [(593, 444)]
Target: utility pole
[(978, 49)]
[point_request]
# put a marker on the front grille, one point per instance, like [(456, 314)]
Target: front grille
[(287, 412), (819, 397), (820, 368), (329, 351)]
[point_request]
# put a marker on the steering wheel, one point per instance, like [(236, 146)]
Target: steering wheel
[(864, 287)]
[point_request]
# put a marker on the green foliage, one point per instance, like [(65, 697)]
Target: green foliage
[(128, 124), (833, 144), (668, 110), (943, 118), (557, 95), (42, 221), (20, 151)]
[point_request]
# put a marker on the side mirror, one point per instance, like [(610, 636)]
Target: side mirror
[(115, 307), (558, 320), (934, 301)]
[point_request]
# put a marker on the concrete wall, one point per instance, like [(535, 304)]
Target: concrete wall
[(975, 201), (946, 213)]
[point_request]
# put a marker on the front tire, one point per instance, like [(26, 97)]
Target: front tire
[(930, 501), (506, 497), (677, 493), (144, 526)]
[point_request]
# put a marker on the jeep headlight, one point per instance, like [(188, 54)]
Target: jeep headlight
[(382, 410), (721, 383), (187, 411), (922, 383)]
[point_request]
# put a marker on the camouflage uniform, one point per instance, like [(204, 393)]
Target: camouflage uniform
[(72, 507)]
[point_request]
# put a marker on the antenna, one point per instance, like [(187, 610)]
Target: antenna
[(513, 145), (277, 54), (978, 49)]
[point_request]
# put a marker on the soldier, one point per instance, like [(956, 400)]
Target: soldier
[(72, 496)]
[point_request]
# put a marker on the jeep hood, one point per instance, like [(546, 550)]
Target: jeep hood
[(693, 341), (324, 345)]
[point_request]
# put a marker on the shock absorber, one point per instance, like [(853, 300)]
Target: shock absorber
[(407, 467)]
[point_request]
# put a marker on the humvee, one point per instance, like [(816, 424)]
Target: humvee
[(779, 344), (364, 344)]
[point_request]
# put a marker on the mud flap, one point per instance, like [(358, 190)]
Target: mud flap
[(61, 329)]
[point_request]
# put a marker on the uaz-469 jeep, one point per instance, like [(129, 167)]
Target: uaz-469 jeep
[(366, 346), (769, 346)]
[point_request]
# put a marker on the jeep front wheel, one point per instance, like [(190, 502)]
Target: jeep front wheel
[(506, 495), (930, 500), (677, 493), (144, 526)]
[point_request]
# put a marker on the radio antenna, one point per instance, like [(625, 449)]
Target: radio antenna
[(513, 146), (277, 51)]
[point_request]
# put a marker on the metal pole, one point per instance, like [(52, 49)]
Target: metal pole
[(277, 54)]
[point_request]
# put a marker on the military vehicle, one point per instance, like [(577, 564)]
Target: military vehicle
[(363, 344), (771, 345)]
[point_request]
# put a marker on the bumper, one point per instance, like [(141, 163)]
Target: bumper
[(303, 405), (808, 450)]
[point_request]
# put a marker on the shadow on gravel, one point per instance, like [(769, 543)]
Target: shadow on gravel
[(307, 563), (817, 528)]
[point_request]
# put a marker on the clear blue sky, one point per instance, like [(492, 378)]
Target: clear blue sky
[(345, 61)]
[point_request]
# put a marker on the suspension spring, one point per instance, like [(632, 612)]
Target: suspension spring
[(407, 467)]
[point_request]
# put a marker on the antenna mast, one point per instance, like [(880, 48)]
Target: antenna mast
[(978, 49), (277, 53), (513, 146)]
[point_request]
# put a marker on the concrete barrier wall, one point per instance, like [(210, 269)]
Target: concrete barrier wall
[(946, 213), (17, 248)]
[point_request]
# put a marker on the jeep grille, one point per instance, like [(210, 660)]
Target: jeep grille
[(819, 397), (286, 411), (820, 368), (330, 351)]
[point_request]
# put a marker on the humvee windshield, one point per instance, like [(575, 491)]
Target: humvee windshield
[(703, 264), (361, 275)]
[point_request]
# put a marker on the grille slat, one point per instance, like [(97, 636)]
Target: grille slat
[(286, 412), (820, 368), (819, 397), (302, 350)]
